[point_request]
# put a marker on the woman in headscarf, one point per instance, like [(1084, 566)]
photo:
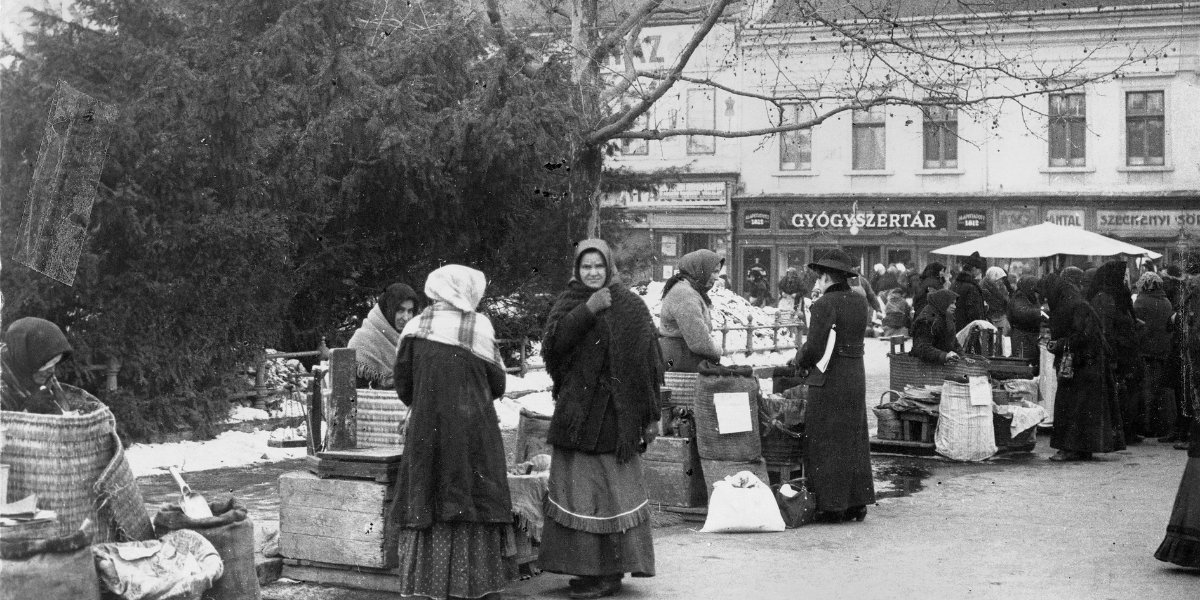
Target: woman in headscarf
[(451, 505), (1025, 318), (931, 279), (1181, 546), (996, 293), (838, 455), (1154, 310), (375, 342), (685, 321), (602, 354), (1087, 415), (897, 314), (933, 335), (32, 349), (1111, 298)]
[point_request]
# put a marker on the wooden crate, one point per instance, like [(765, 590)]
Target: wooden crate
[(917, 427), (336, 521), (672, 473)]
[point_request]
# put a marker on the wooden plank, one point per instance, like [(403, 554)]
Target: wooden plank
[(333, 550), (674, 484), (296, 442), (903, 447), (302, 489), (378, 472), (343, 425), (669, 449), (332, 523), (376, 455), (300, 562), (344, 578)]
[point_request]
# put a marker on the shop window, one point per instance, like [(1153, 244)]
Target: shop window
[(637, 147), (669, 245), (941, 137), (1068, 130), (869, 139), (696, 241), (1144, 128), (701, 114), (755, 258), (904, 257), (795, 147)]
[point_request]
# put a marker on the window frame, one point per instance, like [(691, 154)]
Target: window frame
[(795, 109), (857, 124), (642, 123), (1070, 126), (945, 137), (1160, 117)]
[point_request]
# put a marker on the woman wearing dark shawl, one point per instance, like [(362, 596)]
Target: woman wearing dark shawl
[(1087, 416), (838, 455), (32, 348), (1154, 310), (1181, 546), (1111, 298), (602, 354), (451, 505), (375, 342), (685, 322), (933, 330), (1025, 317)]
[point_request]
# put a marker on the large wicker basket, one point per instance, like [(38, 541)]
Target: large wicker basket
[(781, 446), (683, 388), (76, 466), (889, 426), (909, 370), (380, 416)]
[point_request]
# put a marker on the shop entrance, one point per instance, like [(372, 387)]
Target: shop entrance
[(863, 257), (754, 258)]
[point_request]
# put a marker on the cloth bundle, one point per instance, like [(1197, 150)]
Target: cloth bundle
[(742, 503), (964, 431)]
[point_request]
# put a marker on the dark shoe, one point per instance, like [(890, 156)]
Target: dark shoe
[(1062, 456), (828, 516), (1170, 437), (1182, 445), (1133, 439), (855, 513), (595, 587)]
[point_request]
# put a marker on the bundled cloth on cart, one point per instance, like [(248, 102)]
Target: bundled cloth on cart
[(964, 430), (1024, 414)]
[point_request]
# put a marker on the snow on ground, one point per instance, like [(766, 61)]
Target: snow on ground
[(230, 449), (537, 380)]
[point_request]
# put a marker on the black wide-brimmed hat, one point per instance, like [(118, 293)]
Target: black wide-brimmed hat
[(835, 260)]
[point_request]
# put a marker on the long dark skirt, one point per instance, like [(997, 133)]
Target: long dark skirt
[(597, 517), (460, 560), (1181, 546), (1087, 413), (837, 456)]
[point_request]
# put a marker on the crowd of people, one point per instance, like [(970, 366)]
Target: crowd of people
[(1125, 369)]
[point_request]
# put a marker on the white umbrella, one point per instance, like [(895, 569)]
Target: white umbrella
[(1042, 240)]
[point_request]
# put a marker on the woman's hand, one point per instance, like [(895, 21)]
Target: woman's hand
[(951, 357), (600, 300)]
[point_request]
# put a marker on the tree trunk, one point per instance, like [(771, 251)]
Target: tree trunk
[(586, 74)]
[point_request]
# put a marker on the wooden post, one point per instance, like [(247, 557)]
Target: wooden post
[(524, 357), (114, 367), (260, 384), (343, 397), (315, 414), (749, 339), (724, 334)]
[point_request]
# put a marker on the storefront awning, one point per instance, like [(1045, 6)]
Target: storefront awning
[(1045, 239)]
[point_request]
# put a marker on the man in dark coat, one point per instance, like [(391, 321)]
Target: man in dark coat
[(930, 279), (970, 303), (838, 459)]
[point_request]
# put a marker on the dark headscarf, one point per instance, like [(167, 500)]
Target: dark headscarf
[(937, 305), (933, 269), (1074, 276), (1110, 279), (1027, 286), (395, 295), (696, 267), (29, 344)]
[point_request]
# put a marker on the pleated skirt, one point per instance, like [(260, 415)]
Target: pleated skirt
[(1181, 546)]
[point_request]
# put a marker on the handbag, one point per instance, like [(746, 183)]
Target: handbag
[(797, 505), (1066, 365)]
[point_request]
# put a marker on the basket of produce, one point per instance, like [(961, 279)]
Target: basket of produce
[(782, 424)]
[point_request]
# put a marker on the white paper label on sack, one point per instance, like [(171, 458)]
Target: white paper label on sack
[(981, 390), (733, 412)]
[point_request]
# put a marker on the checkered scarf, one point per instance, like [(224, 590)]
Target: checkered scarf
[(445, 324)]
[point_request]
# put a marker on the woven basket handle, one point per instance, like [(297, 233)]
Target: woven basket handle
[(886, 392)]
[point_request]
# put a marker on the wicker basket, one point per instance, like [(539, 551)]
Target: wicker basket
[(781, 446), (683, 388), (712, 444), (532, 430), (889, 424), (909, 370), (76, 466)]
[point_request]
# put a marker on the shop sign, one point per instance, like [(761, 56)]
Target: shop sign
[(917, 220), (686, 193), (1152, 222), (1066, 218), (1009, 219), (972, 221), (756, 220)]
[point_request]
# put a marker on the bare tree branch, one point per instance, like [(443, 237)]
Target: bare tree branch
[(621, 121), (635, 20)]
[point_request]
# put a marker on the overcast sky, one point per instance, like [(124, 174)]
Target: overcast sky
[(13, 20)]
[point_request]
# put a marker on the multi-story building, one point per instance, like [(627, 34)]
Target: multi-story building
[(893, 183)]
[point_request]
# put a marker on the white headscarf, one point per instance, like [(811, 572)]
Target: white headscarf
[(996, 274), (459, 286)]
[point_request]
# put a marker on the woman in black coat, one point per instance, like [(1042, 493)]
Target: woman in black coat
[(1154, 343), (933, 330), (1087, 415), (1025, 318), (838, 455), (602, 353), (1111, 298)]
